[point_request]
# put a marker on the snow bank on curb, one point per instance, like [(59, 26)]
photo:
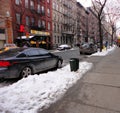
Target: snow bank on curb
[(39, 91), (104, 52)]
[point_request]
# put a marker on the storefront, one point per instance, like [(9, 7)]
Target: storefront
[(40, 39)]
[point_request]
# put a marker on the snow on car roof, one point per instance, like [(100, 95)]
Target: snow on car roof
[(64, 45)]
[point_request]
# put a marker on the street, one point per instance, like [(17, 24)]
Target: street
[(98, 90), (58, 86), (66, 58)]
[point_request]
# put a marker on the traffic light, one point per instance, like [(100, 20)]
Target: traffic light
[(22, 28)]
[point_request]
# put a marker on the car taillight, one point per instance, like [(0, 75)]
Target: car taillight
[(4, 63)]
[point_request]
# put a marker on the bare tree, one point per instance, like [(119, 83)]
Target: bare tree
[(113, 15), (98, 7)]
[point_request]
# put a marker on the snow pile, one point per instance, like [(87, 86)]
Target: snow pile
[(39, 91), (104, 51)]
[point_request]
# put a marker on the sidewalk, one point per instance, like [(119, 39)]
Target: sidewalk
[(97, 92)]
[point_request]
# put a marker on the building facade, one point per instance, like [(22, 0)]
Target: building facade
[(31, 17), (52, 22), (93, 26), (69, 22), (64, 22), (82, 24), (57, 22), (2, 31), (6, 31)]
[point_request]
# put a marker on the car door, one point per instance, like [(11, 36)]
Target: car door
[(36, 59), (49, 59)]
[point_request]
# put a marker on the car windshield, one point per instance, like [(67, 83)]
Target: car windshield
[(85, 45), (11, 52)]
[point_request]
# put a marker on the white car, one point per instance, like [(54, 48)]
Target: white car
[(64, 47)]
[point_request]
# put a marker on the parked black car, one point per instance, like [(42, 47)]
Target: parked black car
[(88, 48), (21, 62)]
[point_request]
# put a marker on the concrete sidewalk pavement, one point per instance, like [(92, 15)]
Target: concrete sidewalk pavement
[(97, 92)]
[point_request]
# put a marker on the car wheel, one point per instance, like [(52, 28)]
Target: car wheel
[(59, 64), (26, 72)]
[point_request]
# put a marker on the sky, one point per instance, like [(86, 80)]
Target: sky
[(40, 91), (85, 3)]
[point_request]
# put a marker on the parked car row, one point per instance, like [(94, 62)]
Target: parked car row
[(88, 48), (16, 62), (22, 62)]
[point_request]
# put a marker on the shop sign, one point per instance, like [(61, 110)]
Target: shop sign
[(40, 33)]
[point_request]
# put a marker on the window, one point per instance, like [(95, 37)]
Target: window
[(48, 1), (43, 23), (33, 21), (48, 25), (38, 9), (54, 27), (43, 52), (26, 3), (43, 10), (17, 2), (39, 23), (48, 12), (54, 5), (57, 7), (18, 18), (27, 20), (32, 4), (32, 53)]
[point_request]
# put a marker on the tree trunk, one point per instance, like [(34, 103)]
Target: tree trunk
[(101, 36)]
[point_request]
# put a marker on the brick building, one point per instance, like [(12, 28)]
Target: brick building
[(2, 31), (30, 17), (6, 32)]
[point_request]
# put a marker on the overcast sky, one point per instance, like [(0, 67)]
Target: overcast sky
[(85, 3)]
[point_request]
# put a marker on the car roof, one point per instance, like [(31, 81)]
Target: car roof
[(16, 51)]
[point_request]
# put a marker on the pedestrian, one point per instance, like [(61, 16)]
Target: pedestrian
[(26, 44), (106, 44)]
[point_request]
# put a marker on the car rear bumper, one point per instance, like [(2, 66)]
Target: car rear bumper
[(5, 73)]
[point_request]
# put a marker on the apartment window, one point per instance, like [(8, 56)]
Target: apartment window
[(54, 16), (18, 18), (48, 25), (39, 23), (54, 27), (43, 9), (32, 4), (54, 5), (48, 1), (33, 21), (17, 2), (43, 23), (58, 28), (27, 20), (57, 7), (26, 3), (38, 8), (48, 12)]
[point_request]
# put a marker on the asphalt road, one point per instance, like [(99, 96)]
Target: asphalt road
[(66, 55)]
